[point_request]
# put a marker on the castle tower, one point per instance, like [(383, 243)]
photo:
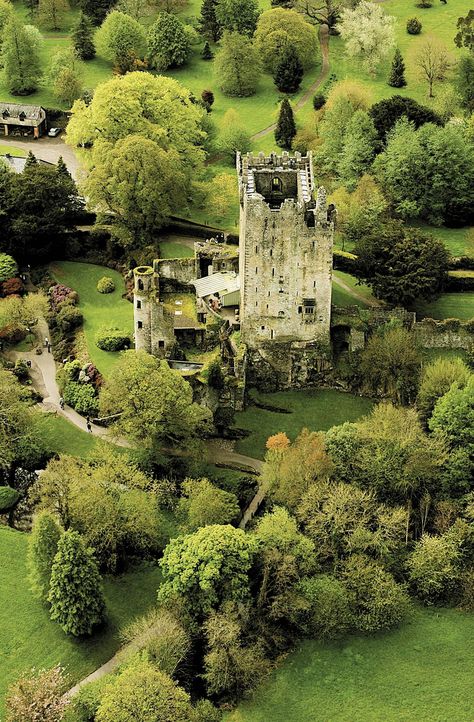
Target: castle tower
[(286, 246), (153, 325)]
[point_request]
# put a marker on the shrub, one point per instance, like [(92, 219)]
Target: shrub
[(87, 701), (111, 339), (59, 293), (12, 333), (21, 369), (318, 101), (8, 498), (106, 285), (8, 267), (12, 286), (81, 397), (413, 26), (434, 566), (215, 377), (328, 613), (68, 318)]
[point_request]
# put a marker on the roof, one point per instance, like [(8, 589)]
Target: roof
[(34, 114), (17, 163), (221, 283)]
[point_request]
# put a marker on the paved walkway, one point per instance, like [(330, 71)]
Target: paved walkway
[(324, 43), (48, 149)]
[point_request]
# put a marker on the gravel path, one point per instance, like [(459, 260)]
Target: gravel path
[(48, 149)]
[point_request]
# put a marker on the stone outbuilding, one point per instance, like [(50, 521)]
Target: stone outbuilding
[(28, 119)]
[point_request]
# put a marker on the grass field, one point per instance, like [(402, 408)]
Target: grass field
[(422, 672), (17, 152), (99, 309), (341, 297), (449, 305), (316, 410), (171, 249), (27, 636), (62, 437)]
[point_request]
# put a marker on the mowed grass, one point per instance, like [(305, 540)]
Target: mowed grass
[(171, 249), (458, 241), (99, 309), (449, 305), (29, 639), (422, 672), (17, 152), (342, 297), (62, 437), (315, 409)]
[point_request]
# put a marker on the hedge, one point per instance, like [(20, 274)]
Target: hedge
[(462, 280), (111, 339), (8, 497), (344, 261)]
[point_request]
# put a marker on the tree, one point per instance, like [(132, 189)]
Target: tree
[(328, 607), (154, 401), (237, 65), (38, 696), (51, 13), (6, 9), (379, 602), (141, 693), (433, 61), (21, 62), (358, 149), (207, 53), (82, 38), (386, 113), (237, 16), (285, 129), (434, 566), (289, 71), (42, 548), (96, 10), (203, 503), (464, 81), (8, 265), (67, 86), (207, 568), (428, 173), (230, 667), (168, 43), (277, 30), (465, 35), (361, 212), (437, 378), (390, 364), (141, 105), (233, 137), (325, 12), (397, 72), (75, 593), (122, 40), (453, 416), (368, 33), (223, 188), (208, 22), (17, 430)]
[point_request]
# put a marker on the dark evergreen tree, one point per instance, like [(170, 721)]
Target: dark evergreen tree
[(42, 548), (96, 9), (75, 592), (32, 7), (397, 73), (62, 168), (30, 160), (208, 21), (207, 53), (289, 71), (285, 130), (82, 38)]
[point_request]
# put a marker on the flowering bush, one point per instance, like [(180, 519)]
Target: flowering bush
[(59, 293)]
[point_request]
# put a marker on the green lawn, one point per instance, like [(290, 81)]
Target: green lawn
[(17, 152), (449, 305), (99, 309), (422, 672), (62, 437), (458, 241), (342, 297), (317, 410), (171, 249), (27, 636)]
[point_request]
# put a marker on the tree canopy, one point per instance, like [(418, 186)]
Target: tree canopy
[(277, 30)]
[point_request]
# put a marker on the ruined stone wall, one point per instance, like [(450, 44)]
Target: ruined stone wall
[(180, 271), (450, 333)]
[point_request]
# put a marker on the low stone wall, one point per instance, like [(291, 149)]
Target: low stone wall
[(450, 333), (175, 273)]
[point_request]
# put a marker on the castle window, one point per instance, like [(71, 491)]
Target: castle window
[(140, 284), (271, 252), (256, 270), (256, 289), (256, 249), (271, 334), (161, 344), (139, 304), (314, 284), (269, 294), (313, 244), (267, 306), (22, 116), (223, 264), (277, 185), (262, 328), (256, 303), (281, 314), (300, 309), (139, 324), (273, 272)]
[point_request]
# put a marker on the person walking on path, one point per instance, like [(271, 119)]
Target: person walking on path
[(89, 427), (49, 347), (46, 342), (61, 403)]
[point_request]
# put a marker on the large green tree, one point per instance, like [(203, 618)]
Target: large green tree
[(122, 40), (285, 129), (237, 65), (436, 380), (75, 593), (208, 22), (168, 42), (278, 29), (237, 16), (207, 568), (368, 33), (20, 58), (203, 503), (155, 403), (358, 149), (288, 71), (96, 9), (453, 415), (82, 38), (402, 264), (51, 13), (42, 548)]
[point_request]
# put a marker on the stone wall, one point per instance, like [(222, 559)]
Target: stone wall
[(177, 270), (274, 367), (450, 333)]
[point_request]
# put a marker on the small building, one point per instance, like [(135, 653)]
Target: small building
[(223, 287), (18, 118)]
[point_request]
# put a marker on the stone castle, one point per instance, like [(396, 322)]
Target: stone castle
[(277, 289)]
